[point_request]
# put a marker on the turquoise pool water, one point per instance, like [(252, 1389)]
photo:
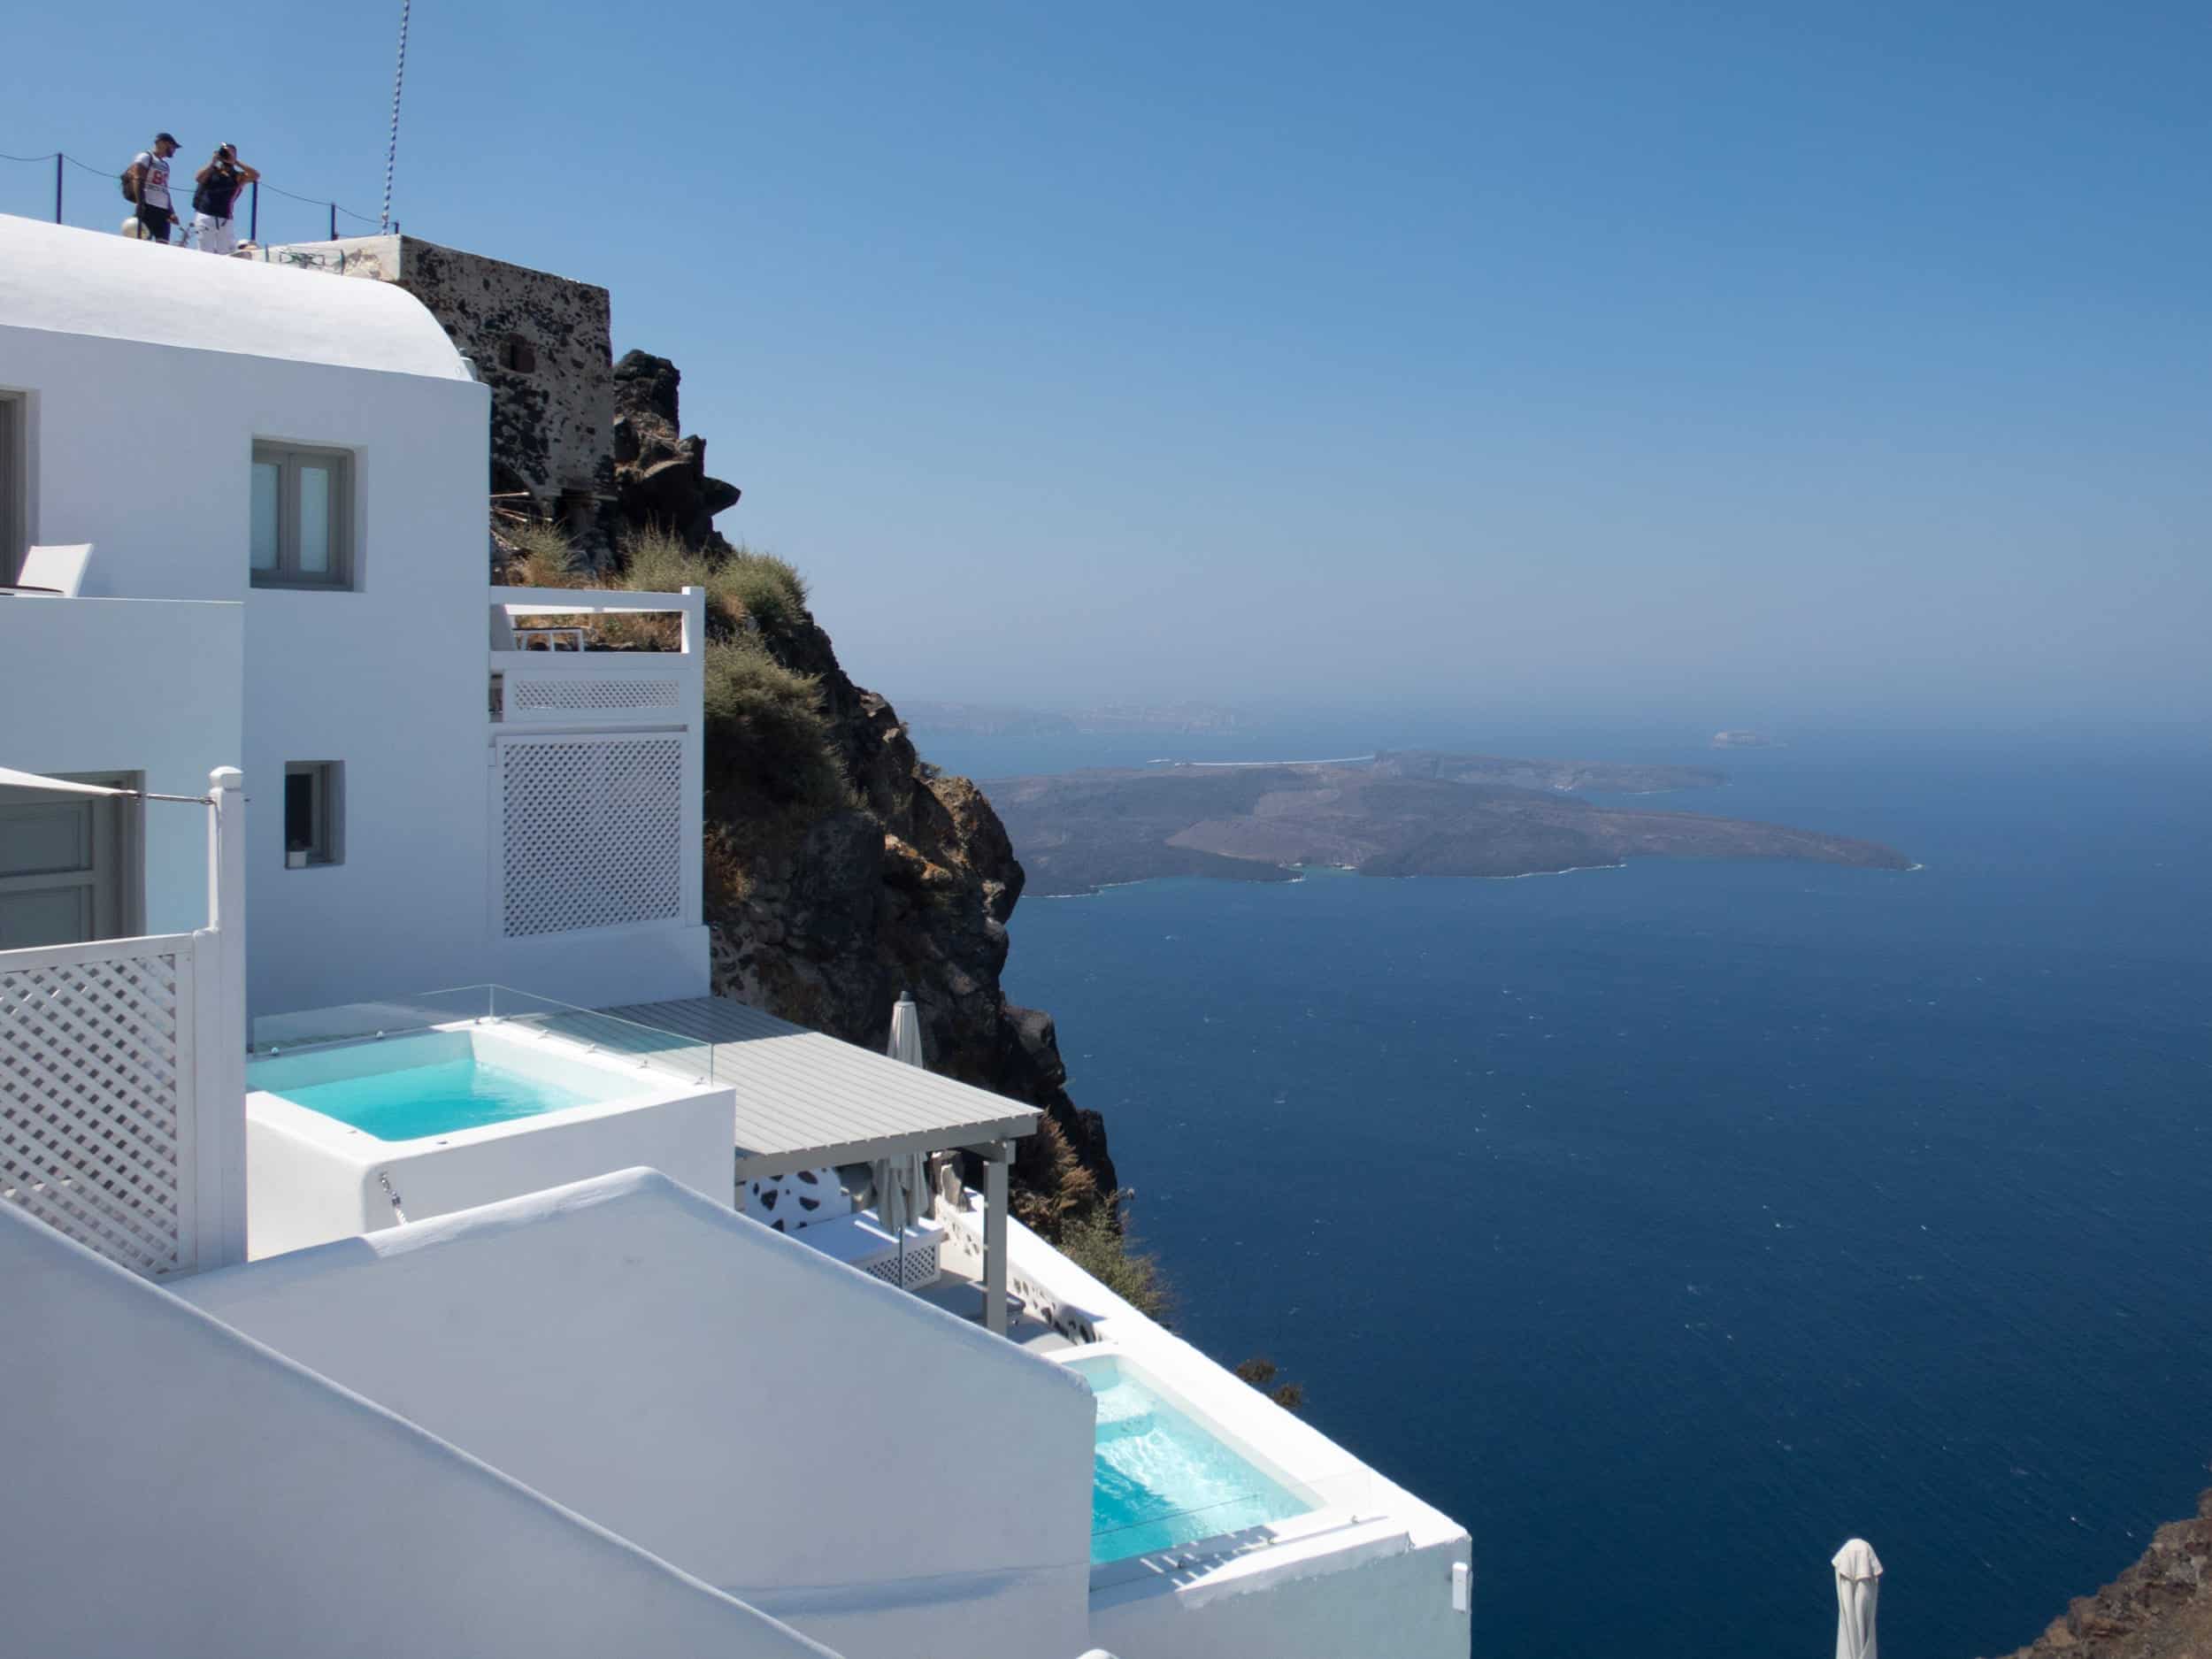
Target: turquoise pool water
[(1159, 1479), (434, 1098)]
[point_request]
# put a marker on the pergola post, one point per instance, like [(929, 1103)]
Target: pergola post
[(995, 1157)]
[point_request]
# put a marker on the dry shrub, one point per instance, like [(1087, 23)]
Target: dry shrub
[(1262, 1371), (1056, 1186), (762, 587), (543, 556), (1097, 1243), (655, 560)]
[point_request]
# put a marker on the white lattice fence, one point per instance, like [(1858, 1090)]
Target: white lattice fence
[(573, 699), (592, 832), (96, 1084)]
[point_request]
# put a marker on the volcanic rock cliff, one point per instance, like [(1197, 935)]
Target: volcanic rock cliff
[(2161, 1608), (906, 882)]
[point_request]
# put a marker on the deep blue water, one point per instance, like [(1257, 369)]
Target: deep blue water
[(1668, 1224)]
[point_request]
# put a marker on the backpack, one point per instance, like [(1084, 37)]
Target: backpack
[(130, 184), (218, 195)]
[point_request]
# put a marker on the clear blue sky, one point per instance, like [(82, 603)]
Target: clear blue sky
[(1745, 363)]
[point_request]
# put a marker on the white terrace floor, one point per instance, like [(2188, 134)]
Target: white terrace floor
[(958, 1292)]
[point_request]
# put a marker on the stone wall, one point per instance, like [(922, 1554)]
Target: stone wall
[(544, 346)]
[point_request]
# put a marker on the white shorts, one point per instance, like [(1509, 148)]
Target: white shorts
[(214, 235)]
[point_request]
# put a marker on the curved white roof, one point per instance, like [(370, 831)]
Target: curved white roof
[(69, 281)]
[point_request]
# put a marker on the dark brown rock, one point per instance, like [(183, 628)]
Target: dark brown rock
[(660, 475), (908, 888), (2161, 1608)]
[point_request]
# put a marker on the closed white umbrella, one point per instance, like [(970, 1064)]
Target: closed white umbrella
[(906, 1030), (896, 1204), (1858, 1582)]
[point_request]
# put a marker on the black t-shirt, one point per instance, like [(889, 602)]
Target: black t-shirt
[(214, 198)]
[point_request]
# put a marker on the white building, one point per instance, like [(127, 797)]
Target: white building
[(486, 1386), (283, 484)]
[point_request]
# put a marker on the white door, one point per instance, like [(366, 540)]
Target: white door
[(68, 866)]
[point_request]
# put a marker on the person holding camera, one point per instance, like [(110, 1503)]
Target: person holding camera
[(215, 197)]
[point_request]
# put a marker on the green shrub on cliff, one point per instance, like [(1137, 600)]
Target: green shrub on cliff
[(742, 585), (767, 735), (1095, 1243), (761, 586)]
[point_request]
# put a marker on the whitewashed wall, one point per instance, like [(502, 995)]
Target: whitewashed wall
[(1369, 1600), (123, 685), (198, 1495), (149, 378), (886, 1477)]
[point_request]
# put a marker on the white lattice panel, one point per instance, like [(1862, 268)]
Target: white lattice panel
[(95, 1085), (917, 1269), (592, 832), (600, 697)]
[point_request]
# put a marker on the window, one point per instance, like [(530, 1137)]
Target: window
[(72, 868), (15, 485), (303, 517), (314, 805), (518, 354)]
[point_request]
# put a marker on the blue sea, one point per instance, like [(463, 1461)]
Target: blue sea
[(1668, 1224)]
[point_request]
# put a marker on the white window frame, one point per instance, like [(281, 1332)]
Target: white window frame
[(15, 483), (326, 844), (287, 458)]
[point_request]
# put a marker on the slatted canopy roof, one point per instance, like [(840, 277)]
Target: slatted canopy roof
[(805, 1100)]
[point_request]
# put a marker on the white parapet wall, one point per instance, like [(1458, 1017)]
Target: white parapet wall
[(177, 1488), (882, 1475)]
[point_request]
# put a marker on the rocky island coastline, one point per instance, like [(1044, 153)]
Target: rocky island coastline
[(2161, 1608), (1405, 813)]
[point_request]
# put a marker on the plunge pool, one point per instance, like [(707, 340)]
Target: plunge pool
[(350, 1137), (1160, 1478)]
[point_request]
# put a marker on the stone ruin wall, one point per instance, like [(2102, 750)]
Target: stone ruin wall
[(595, 444), (544, 346)]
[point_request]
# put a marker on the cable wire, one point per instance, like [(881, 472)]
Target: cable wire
[(311, 201)]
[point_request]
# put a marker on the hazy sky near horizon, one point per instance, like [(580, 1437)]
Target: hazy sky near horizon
[(1760, 364)]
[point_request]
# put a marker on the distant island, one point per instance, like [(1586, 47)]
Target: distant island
[(1406, 813), (991, 719), (1745, 740)]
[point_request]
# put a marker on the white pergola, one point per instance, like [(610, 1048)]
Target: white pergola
[(807, 1100)]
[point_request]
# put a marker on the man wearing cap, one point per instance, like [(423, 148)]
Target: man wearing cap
[(215, 193), (149, 176)]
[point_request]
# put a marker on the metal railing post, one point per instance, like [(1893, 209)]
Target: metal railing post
[(58, 186), (253, 214), (333, 221)]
